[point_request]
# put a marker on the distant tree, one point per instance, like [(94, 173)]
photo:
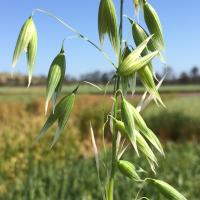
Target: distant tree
[(92, 77), (96, 76), (170, 74), (194, 72), (70, 79), (104, 78), (184, 78)]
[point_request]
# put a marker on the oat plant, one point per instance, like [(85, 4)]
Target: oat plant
[(128, 128)]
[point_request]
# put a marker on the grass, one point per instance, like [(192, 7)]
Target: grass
[(87, 89), (31, 171), (184, 103), (52, 177)]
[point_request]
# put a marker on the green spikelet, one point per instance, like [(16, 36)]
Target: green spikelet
[(145, 73), (141, 125), (167, 190), (129, 122), (139, 35), (107, 23), (31, 54), (134, 62), (55, 78), (128, 170), (27, 41), (147, 80), (153, 23), (141, 143), (61, 114)]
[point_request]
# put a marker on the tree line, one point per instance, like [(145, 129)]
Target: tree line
[(98, 77)]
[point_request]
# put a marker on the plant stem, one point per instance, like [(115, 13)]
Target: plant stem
[(76, 32), (114, 154), (114, 138), (121, 26)]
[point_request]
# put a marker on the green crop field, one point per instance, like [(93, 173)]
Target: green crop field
[(87, 89), (32, 171), (52, 175)]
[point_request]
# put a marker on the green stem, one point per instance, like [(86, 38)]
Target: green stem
[(121, 26), (76, 32), (114, 153)]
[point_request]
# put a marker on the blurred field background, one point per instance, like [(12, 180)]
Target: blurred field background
[(34, 172)]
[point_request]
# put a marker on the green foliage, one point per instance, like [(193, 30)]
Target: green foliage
[(175, 126), (16, 93), (20, 162), (94, 114), (180, 122), (72, 178)]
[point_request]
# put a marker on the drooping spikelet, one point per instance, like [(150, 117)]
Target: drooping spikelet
[(129, 123), (27, 41), (61, 114), (55, 78), (128, 169), (154, 26), (167, 190), (145, 73), (141, 144), (31, 55), (107, 23), (139, 35)]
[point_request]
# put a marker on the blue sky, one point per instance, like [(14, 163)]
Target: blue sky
[(181, 24)]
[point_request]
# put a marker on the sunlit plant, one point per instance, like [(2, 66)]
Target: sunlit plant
[(127, 126)]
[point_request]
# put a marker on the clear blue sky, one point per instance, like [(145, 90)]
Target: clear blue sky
[(180, 19)]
